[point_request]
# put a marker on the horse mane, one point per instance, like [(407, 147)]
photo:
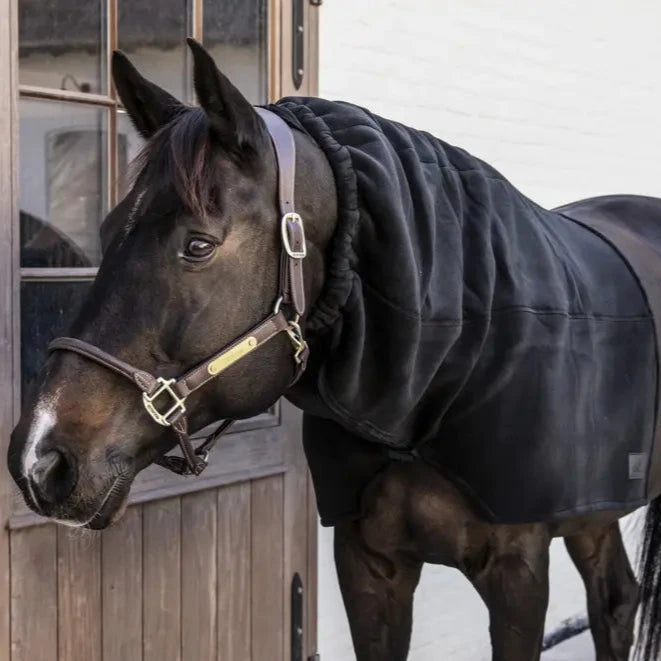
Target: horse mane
[(180, 155)]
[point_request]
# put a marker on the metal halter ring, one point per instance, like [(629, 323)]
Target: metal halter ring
[(178, 407), (204, 455), (296, 336)]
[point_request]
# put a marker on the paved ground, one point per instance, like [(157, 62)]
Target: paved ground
[(578, 648)]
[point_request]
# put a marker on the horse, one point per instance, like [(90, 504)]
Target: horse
[(208, 243)]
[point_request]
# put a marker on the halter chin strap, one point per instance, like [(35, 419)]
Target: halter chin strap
[(165, 399)]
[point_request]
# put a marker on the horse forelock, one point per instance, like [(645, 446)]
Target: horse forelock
[(180, 156)]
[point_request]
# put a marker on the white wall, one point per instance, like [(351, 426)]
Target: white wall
[(564, 98)]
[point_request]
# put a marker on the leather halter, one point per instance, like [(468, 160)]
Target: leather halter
[(172, 412)]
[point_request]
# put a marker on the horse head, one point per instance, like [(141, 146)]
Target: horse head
[(191, 261)]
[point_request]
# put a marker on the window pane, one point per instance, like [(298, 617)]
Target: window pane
[(47, 310), (63, 183), (235, 35), (130, 144), (153, 35), (62, 44)]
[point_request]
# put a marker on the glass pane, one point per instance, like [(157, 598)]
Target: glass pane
[(130, 143), (235, 35), (153, 35), (47, 309), (63, 183), (62, 44)]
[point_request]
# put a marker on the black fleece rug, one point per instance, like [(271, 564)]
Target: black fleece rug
[(510, 346)]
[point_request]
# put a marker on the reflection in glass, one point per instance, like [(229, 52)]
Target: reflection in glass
[(133, 143), (47, 310), (235, 35), (63, 183), (62, 44), (153, 33)]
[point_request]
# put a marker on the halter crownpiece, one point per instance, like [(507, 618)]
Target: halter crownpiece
[(172, 412)]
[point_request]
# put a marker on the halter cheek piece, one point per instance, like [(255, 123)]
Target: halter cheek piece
[(172, 411)]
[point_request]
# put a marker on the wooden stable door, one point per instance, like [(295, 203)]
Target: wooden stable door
[(190, 576), (199, 568)]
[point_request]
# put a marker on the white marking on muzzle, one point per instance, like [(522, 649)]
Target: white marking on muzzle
[(43, 421)]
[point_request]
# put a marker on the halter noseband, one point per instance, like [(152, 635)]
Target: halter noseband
[(291, 293)]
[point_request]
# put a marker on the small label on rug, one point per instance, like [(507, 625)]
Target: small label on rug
[(637, 465)]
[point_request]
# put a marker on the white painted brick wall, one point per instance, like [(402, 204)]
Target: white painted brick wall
[(564, 98)]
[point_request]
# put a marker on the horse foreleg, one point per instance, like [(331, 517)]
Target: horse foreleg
[(377, 587), (511, 574), (611, 587)]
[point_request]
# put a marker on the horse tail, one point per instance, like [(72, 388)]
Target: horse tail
[(648, 639)]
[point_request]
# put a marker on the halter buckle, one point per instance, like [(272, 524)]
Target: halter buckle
[(178, 407), (287, 224)]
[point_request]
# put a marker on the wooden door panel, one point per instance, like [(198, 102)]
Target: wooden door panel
[(78, 594), (161, 611), (242, 454), (34, 594), (267, 569), (234, 571), (199, 566), (200, 577), (298, 526), (122, 588), (8, 194), (311, 574)]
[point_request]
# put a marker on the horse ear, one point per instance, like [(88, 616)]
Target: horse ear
[(232, 117), (148, 106)]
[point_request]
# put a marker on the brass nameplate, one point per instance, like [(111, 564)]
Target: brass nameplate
[(232, 355)]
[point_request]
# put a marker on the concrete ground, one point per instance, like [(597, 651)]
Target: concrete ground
[(578, 648)]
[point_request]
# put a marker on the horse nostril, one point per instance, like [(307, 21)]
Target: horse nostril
[(53, 477)]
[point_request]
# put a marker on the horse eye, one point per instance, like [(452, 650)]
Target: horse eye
[(198, 249)]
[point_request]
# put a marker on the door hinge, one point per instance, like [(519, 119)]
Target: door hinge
[(316, 3), (296, 618), (298, 44)]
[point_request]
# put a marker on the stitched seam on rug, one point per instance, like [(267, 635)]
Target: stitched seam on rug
[(579, 316)]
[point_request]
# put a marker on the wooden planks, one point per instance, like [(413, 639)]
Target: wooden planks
[(275, 47), (8, 195), (267, 569), (312, 573), (161, 614), (34, 594), (253, 453), (79, 594), (295, 522), (234, 572), (199, 576), (122, 589)]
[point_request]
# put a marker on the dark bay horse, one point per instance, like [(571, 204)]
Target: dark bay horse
[(192, 258)]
